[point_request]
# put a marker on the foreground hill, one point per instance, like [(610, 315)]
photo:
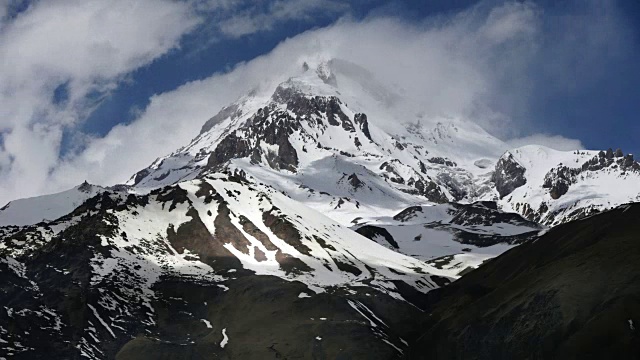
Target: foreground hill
[(574, 293)]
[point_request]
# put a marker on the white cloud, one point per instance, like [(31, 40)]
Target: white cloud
[(475, 65), (552, 141), (87, 45), (259, 18)]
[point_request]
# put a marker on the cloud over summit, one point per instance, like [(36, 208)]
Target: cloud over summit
[(476, 65)]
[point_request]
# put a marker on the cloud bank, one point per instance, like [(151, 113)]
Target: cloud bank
[(475, 64), (552, 141), (79, 50)]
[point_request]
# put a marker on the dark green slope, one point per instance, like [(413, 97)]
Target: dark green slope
[(572, 294)]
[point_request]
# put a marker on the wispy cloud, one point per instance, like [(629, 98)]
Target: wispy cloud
[(256, 18), (447, 68), (483, 64), (84, 46)]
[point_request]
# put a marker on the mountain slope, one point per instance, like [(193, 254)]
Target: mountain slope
[(176, 271), (572, 293), (552, 187)]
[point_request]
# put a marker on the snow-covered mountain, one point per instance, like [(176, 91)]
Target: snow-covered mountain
[(332, 139), (309, 219), (105, 275), (553, 187), (47, 207)]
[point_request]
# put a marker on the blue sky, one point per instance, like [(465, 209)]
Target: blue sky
[(82, 80)]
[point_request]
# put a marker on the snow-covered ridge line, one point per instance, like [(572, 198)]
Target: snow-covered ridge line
[(322, 138), (33, 210), (559, 186)]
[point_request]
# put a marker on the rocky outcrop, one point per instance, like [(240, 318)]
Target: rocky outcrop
[(355, 182), (268, 126), (430, 190), (311, 108), (140, 175), (361, 120), (559, 179), (378, 234), (442, 161), (419, 184), (508, 175)]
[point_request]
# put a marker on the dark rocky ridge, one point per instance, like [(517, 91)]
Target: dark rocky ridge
[(508, 175), (373, 232), (268, 125), (478, 213), (273, 126), (574, 293)]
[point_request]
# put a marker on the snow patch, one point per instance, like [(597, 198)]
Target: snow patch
[(95, 312), (207, 323), (225, 338)]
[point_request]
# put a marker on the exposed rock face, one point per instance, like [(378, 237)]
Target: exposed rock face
[(430, 190), (140, 175), (408, 213), (355, 182), (361, 120), (486, 213), (272, 125), (268, 126), (609, 160), (231, 147), (85, 187), (559, 179), (378, 234), (421, 185), (508, 175), (310, 108), (442, 161)]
